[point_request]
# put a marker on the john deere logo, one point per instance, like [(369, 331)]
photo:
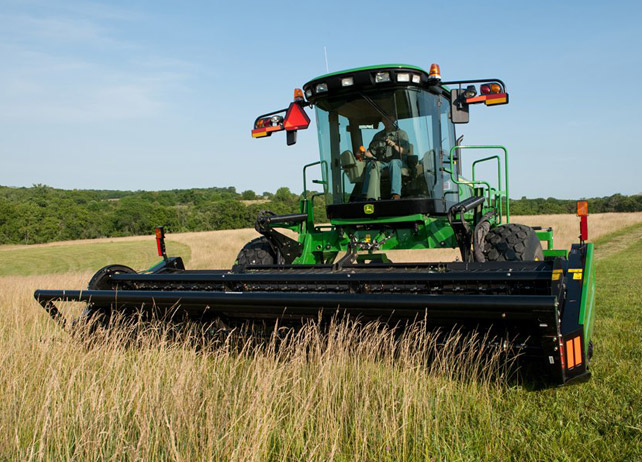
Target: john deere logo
[(368, 209)]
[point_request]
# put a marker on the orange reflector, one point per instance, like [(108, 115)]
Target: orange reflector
[(159, 232), (495, 88), (582, 208), (362, 149), (570, 358), (298, 94), (435, 72), (573, 349), (578, 351)]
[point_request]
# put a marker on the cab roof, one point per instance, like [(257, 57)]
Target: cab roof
[(382, 76), (369, 68)]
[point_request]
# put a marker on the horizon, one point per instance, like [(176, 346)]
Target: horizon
[(262, 194)]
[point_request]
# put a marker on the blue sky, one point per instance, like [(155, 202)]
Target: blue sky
[(160, 95)]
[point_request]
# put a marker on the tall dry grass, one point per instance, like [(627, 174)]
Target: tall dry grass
[(346, 393)]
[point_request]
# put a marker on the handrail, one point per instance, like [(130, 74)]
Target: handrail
[(499, 177), (504, 192), (499, 169), (305, 167)]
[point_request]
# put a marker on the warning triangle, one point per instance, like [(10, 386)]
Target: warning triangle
[(296, 118)]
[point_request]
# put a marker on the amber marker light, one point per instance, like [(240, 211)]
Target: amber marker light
[(435, 72), (495, 88), (582, 212), (298, 94)]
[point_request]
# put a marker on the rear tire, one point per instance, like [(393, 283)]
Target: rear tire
[(99, 316), (256, 252), (512, 242)]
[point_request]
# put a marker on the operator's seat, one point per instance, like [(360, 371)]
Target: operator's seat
[(352, 167)]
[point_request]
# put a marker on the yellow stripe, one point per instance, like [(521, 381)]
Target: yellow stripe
[(490, 102)]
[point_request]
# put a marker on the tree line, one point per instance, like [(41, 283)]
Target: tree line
[(44, 214), (540, 206)]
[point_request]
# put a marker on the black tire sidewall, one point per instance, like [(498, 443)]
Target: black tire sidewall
[(256, 252), (513, 242)]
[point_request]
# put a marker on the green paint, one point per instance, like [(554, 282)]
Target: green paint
[(556, 253), (546, 236), (587, 304)]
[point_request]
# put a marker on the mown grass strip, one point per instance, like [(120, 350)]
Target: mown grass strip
[(617, 241), (55, 259)]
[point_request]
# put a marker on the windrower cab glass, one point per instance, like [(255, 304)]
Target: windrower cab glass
[(384, 134)]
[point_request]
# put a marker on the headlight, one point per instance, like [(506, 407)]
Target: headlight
[(381, 77)]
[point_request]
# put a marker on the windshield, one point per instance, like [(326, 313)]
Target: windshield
[(386, 145)]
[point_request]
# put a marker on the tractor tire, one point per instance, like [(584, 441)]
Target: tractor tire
[(256, 252), (95, 316), (100, 280), (512, 242)]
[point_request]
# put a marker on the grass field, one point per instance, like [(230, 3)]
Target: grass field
[(64, 258), (353, 394)]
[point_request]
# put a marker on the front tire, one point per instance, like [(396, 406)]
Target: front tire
[(256, 252), (512, 242)]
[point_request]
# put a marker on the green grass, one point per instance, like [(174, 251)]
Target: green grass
[(55, 259), (600, 419)]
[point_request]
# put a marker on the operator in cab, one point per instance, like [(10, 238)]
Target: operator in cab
[(385, 152)]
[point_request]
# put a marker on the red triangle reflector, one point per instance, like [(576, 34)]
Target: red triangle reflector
[(296, 118)]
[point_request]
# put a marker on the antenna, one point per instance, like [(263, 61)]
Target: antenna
[(325, 52)]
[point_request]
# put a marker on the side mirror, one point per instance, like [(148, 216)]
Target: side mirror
[(492, 92), (458, 107), (291, 137)]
